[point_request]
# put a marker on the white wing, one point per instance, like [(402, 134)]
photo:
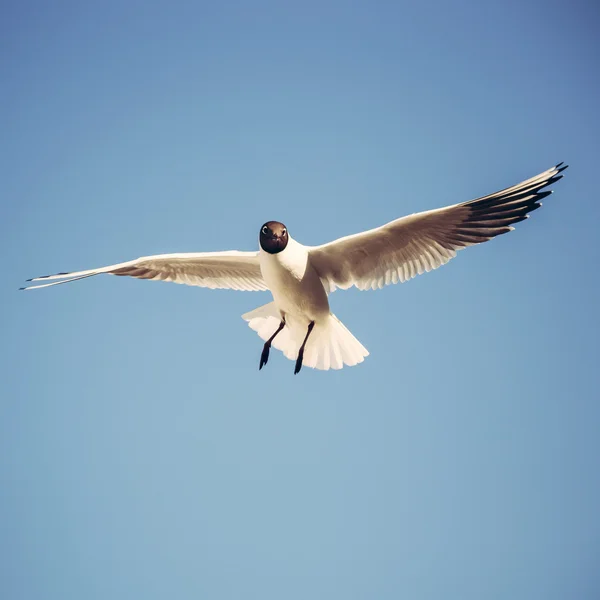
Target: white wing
[(424, 241), (233, 270)]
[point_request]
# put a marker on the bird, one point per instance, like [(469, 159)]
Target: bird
[(298, 321)]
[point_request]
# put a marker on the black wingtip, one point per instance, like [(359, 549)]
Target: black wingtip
[(20, 289), (29, 279), (562, 168), (48, 276)]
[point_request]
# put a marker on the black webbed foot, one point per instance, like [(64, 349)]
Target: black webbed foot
[(301, 351), (298, 363), (264, 357)]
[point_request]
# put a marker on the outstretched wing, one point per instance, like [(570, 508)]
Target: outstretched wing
[(406, 247), (232, 270)]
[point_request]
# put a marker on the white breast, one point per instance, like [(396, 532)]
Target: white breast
[(295, 285)]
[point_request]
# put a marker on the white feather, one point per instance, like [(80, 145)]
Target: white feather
[(232, 269), (330, 345), (419, 243)]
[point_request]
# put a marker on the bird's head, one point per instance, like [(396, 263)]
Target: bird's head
[(273, 237)]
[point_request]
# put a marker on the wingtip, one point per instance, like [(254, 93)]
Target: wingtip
[(42, 277), (554, 179)]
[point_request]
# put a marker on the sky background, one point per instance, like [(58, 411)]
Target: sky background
[(142, 453)]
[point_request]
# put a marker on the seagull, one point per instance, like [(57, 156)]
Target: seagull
[(299, 321)]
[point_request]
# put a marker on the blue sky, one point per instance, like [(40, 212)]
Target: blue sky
[(143, 455)]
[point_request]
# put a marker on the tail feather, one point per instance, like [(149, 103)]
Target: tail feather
[(336, 357), (330, 345)]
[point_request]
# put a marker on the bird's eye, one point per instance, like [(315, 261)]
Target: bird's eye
[(284, 232), (264, 230)]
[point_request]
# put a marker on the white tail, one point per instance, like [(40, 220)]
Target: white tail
[(330, 345)]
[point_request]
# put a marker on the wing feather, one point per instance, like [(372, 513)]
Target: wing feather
[(418, 243), (225, 270)]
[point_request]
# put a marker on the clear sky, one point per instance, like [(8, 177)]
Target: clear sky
[(142, 453)]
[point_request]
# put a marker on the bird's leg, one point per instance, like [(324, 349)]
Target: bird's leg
[(301, 351), (264, 357)]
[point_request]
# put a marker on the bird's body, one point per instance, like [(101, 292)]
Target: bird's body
[(298, 321), (300, 301), (297, 289)]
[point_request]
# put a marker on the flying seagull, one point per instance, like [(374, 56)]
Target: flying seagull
[(298, 321)]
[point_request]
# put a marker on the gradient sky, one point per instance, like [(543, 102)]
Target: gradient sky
[(142, 453)]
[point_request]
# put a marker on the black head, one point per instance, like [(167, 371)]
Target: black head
[(273, 237)]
